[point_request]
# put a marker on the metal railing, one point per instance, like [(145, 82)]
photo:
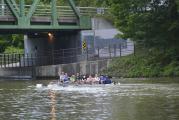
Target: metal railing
[(63, 11), (65, 56)]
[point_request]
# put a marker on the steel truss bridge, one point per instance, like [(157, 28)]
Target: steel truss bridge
[(48, 17)]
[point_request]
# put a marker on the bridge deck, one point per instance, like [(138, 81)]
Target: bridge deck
[(8, 18)]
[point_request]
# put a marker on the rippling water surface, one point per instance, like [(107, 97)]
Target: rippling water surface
[(21, 100)]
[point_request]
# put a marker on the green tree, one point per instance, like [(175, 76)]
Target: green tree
[(154, 23), (14, 40), (154, 26)]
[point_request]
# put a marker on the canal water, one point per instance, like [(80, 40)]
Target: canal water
[(133, 99)]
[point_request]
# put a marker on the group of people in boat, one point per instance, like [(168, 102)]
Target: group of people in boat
[(84, 79)]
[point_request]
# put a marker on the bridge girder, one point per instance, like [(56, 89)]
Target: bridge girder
[(26, 17)]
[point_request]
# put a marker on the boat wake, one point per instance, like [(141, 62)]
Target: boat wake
[(96, 88)]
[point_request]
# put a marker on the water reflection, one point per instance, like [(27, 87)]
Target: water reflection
[(120, 102), (53, 101)]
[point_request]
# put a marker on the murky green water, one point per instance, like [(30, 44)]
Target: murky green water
[(132, 100)]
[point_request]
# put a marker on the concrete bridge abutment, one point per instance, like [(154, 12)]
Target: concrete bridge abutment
[(52, 40), (51, 43)]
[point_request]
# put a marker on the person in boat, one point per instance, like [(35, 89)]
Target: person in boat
[(84, 78), (105, 80), (90, 80), (108, 80), (66, 78), (78, 78), (58, 81), (61, 77), (96, 79), (101, 79), (72, 78)]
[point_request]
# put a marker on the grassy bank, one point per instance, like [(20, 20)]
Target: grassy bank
[(143, 66)]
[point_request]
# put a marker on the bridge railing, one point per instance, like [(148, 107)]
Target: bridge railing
[(65, 56), (4, 10), (63, 11)]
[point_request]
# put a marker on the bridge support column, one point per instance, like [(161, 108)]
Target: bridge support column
[(53, 44), (35, 43)]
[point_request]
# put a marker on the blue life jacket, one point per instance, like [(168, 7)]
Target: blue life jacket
[(65, 78), (105, 80)]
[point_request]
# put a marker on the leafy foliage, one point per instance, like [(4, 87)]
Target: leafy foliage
[(142, 66), (12, 49), (154, 26), (11, 40), (152, 23)]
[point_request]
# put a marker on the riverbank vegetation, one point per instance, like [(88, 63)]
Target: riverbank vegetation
[(144, 65), (154, 27)]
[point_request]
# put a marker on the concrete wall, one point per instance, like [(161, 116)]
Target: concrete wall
[(35, 43), (41, 43), (99, 23), (85, 67), (22, 72)]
